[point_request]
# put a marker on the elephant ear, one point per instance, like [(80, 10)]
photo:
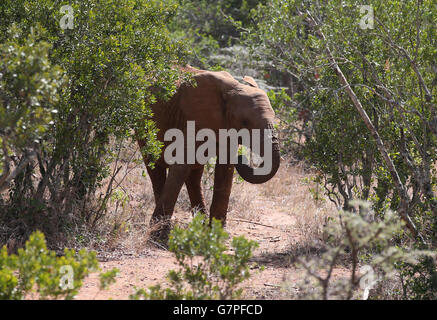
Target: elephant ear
[(250, 81)]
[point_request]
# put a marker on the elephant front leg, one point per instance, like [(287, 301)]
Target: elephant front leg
[(222, 190), (160, 221)]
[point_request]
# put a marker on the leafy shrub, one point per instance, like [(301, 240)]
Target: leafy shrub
[(391, 70), (382, 149), (369, 244), (65, 94), (38, 270), (208, 25), (206, 270), (419, 281), (29, 91)]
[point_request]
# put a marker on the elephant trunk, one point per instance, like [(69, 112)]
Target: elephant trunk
[(248, 173)]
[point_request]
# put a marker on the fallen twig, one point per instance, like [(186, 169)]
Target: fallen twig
[(271, 285), (248, 221)]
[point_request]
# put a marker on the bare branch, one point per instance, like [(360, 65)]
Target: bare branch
[(27, 157)]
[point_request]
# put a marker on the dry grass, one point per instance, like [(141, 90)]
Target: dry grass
[(287, 192)]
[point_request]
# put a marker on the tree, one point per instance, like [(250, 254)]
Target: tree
[(29, 87), (370, 97), (208, 25)]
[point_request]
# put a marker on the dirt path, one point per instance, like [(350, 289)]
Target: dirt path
[(279, 215), (151, 269)]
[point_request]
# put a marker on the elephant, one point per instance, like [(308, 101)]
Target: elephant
[(214, 100)]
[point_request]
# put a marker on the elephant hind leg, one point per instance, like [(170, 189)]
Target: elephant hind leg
[(160, 221), (194, 188), (158, 175)]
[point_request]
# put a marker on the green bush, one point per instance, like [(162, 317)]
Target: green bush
[(419, 281), (384, 151), (368, 246), (206, 270), (208, 25), (34, 270), (65, 94), (390, 68)]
